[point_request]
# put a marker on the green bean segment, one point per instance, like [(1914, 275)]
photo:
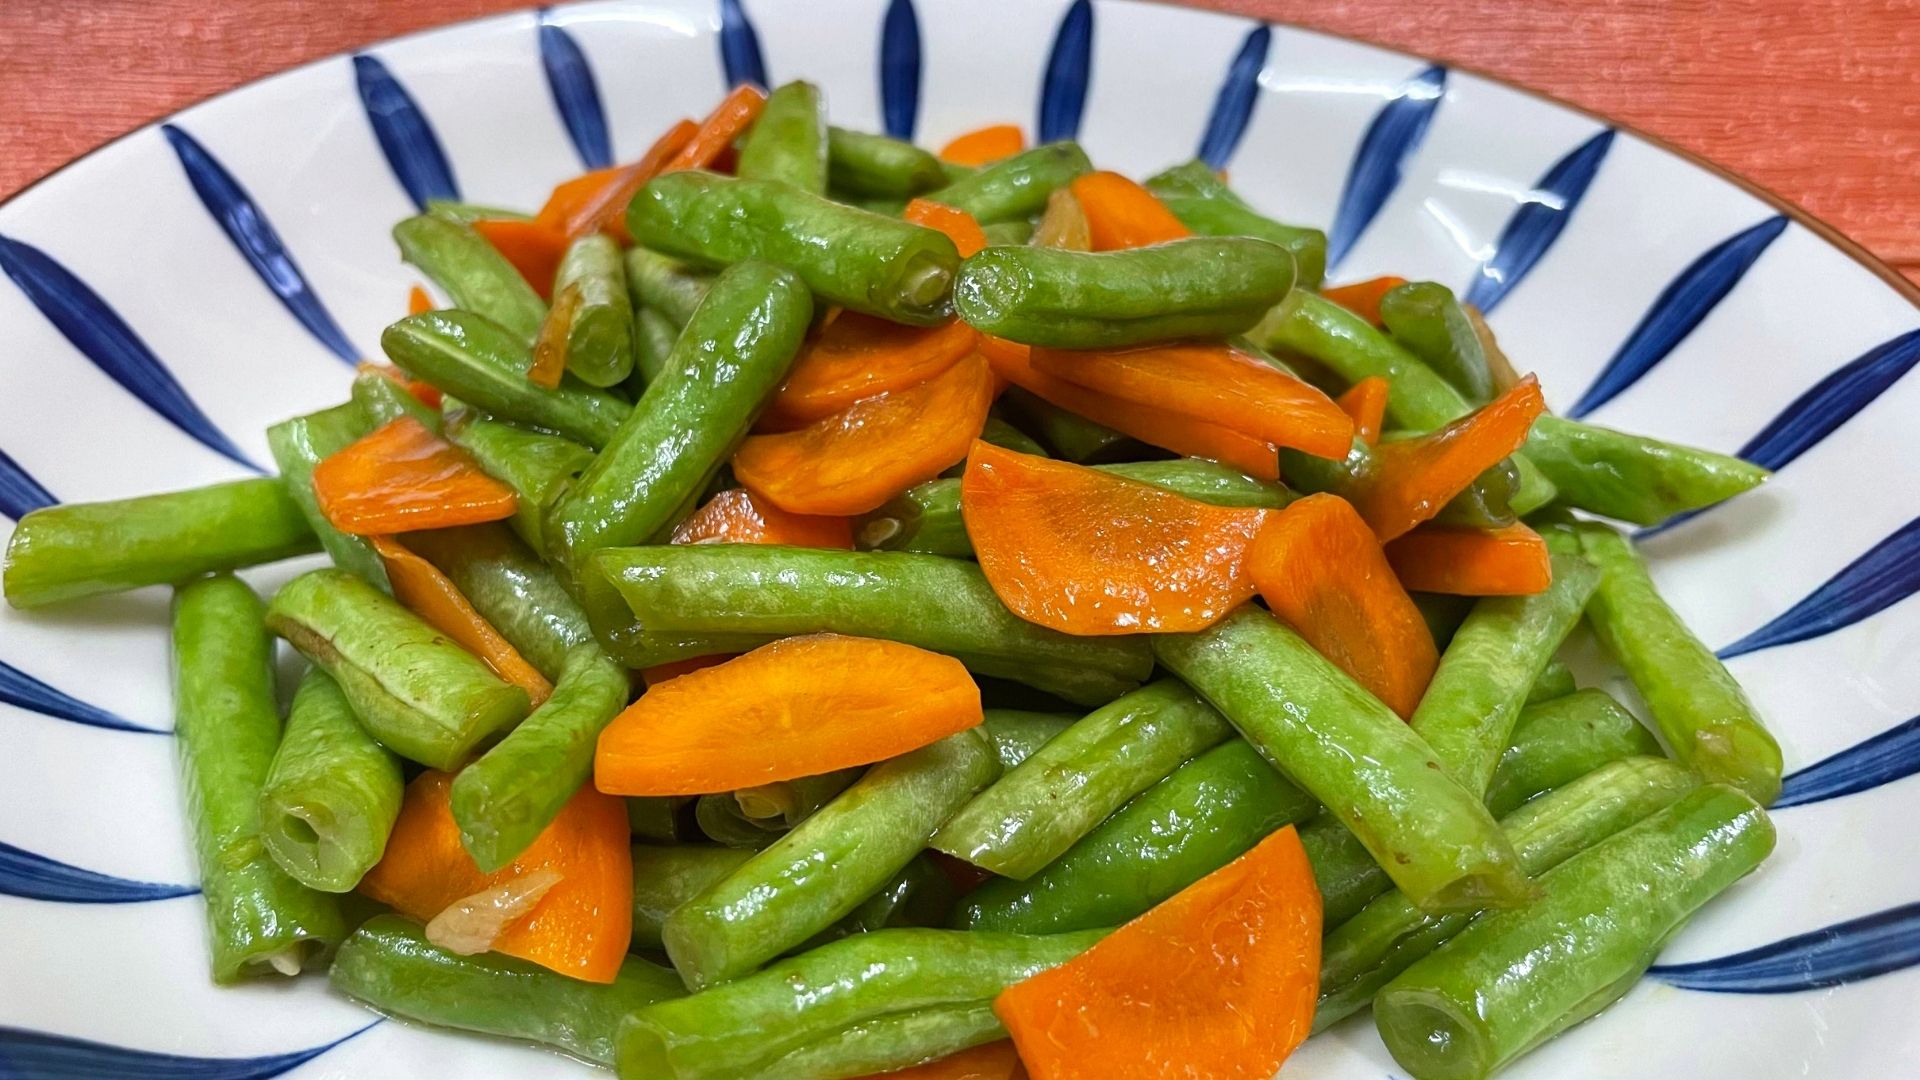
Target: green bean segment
[(666, 877), (665, 285), (1424, 317), (333, 793), (479, 279), (1631, 477), (1561, 739), (298, 446), (466, 213), (861, 164), (1204, 203), (1016, 187), (654, 336), (600, 334), (536, 465), (1069, 435), (384, 400), (888, 1043), (1017, 733), (512, 589), (1556, 680), (788, 143)]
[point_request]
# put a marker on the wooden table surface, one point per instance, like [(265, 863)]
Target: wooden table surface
[(1817, 101)]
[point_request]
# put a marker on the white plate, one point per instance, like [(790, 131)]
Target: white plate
[(177, 291)]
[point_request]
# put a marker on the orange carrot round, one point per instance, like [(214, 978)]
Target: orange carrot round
[(855, 460), (1414, 478), (988, 1061), (1366, 402), (1122, 214), (531, 247), (418, 302), (422, 589), (424, 392), (598, 201), (583, 924), (857, 356), (958, 225), (550, 348), (1363, 297), (727, 122), (1218, 981), (1512, 561), (402, 478), (798, 707), (734, 516), (1086, 552), (986, 145)]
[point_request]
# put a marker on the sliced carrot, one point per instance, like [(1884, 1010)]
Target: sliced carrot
[(857, 356), (727, 122), (1172, 431), (603, 208), (1321, 571), (1366, 402), (1122, 214), (424, 392), (532, 248), (798, 707), (1214, 383), (1063, 224), (418, 302), (1512, 561), (1363, 297), (735, 516), (550, 347), (1414, 478), (583, 924), (983, 146), (1086, 552), (988, 1061), (1218, 981), (957, 224), (851, 462), (570, 196), (422, 589), (660, 673), (403, 477)]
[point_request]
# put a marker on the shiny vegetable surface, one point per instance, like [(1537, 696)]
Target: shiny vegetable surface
[(332, 794)]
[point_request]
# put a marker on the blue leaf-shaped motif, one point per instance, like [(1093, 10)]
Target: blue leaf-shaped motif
[(1395, 134), (1891, 755), (900, 69), (412, 149), (20, 493), (1832, 956), (1536, 225), (23, 690), (1233, 108), (1888, 573), (1063, 90), (740, 58), (39, 1055), (36, 877), (575, 94)]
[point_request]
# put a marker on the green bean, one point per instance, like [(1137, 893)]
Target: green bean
[(653, 338), (1017, 231), (666, 877), (1204, 203), (1341, 745), (298, 446), (1468, 711), (1484, 504), (1515, 979), (422, 696), (656, 819), (730, 1031), (383, 401), (888, 206), (665, 284), (721, 820), (1556, 680), (1016, 187), (1443, 614), (1364, 953), (1000, 433), (1424, 317), (1207, 813), (1533, 488), (825, 867), (926, 517), (333, 793), (1037, 811), (536, 465), (1068, 434), (921, 894), (389, 964), (788, 143), (600, 333), (1562, 739), (1310, 325), (888, 1043), (466, 213), (777, 591), (1198, 287), (68, 551), (512, 589), (789, 802), (482, 364), (727, 363), (226, 728), (864, 164), (1631, 477), (467, 268), (860, 260), (1703, 715), (1017, 733)]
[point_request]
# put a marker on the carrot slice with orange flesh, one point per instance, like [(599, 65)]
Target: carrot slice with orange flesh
[(422, 589), (735, 516), (402, 478), (1086, 552), (1363, 297), (1217, 981), (988, 1061), (985, 145), (550, 348), (959, 225), (1122, 214), (734, 115), (1172, 431), (603, 206), (1322, 572), (1414, 478), (798, 707), (583, 924), (532, 248), (660, 673), (857, 356), (851, 462), (1366, 402), (1511, 561), (569, 196), (424, 392), (1213, 383), (418, 302)]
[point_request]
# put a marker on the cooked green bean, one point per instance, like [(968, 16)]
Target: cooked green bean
[(825, 867), (731, 1031), (654, 336), (1514, 979), (788, 143), (1424, 317), (1361, 955), (1018, 231), (727, 363), (479, 278), (789, 802), (389, 964), (1631, 477), (422, 696), (1562, 739), (669, 287), (600, 334), (1203, 202), (1703, 715), (1433, 836), (1486, 503), (333, 793), (721, 821), (536, 465), (921, 894), (666, 877), (1017, 733), (466, 213), (510, 587), (1016, 187), (1037, 811), (656, 819), (1556, 680), (1000, 433), (383, 401), (298, 446), (888, 1043), (226, 727), (940, 604), (482, 364), (68, 551), (1198, 287), (861, 164), (1069, 435), (860, 260)]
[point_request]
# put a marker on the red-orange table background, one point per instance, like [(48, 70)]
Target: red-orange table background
[(1815, 100)]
